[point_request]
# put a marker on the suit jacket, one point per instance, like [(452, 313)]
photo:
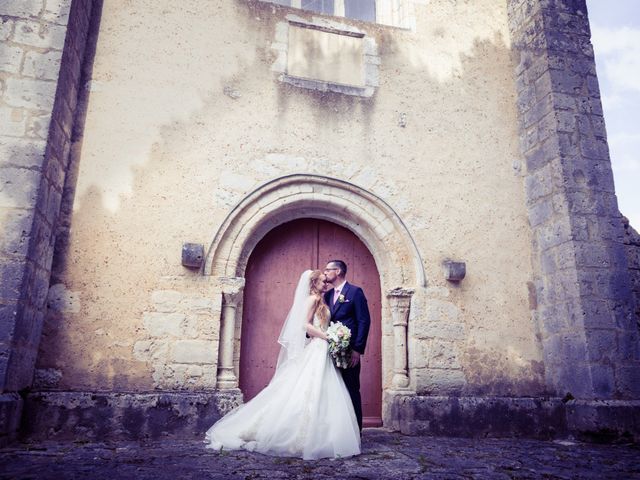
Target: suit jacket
[(353, 313)]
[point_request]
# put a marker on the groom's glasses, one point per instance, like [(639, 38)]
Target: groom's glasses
[(327, 269)]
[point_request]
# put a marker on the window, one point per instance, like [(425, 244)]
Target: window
[(388, 12), (355, 9)]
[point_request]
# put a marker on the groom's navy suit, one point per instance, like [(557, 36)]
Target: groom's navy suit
[(353, 312)]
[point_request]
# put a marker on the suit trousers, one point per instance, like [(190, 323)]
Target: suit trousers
[(351, 377)]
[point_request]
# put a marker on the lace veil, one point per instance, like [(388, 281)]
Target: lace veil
[(292, 337)]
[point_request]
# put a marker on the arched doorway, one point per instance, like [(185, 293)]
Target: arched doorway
[(271, 276)]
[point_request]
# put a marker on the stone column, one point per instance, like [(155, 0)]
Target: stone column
[(231, 297), (585, 304), (400, 302)]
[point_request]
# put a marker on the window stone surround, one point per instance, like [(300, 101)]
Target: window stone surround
[(371, 60)]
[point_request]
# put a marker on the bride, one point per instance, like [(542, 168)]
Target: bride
[(305, 410)]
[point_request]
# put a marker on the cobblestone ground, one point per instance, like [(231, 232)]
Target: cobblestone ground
[(385, 455)]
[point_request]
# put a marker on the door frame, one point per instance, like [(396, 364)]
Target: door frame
[(366, 215)]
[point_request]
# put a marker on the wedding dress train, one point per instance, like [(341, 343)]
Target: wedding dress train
[(305, 411)]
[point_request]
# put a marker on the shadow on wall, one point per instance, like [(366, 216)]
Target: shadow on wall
[(148, 86)]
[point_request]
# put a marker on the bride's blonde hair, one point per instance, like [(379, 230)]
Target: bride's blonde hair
[(320, 308)]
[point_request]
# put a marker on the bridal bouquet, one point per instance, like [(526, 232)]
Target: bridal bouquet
[(339, 337)]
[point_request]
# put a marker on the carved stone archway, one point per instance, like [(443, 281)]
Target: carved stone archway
[(313, 196)]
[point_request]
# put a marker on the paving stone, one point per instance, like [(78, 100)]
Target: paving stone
[(384, 455)]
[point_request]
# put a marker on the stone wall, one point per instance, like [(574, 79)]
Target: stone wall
[(43, 43)]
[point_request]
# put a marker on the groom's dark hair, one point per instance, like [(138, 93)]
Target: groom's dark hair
[(341, 265)]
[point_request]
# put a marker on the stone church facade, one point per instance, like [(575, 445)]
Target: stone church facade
[(148, 148)]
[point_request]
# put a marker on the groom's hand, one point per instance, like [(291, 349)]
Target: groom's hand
[(355, 359)]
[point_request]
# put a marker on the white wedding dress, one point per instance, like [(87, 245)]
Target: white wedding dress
[(305, 411)]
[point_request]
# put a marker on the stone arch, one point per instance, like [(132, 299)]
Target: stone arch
[(314, 196)]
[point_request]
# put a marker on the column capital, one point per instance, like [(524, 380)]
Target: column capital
[(400, 302), (232, 289), (400, 294)]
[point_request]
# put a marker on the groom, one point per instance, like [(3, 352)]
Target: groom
[(349, 306)]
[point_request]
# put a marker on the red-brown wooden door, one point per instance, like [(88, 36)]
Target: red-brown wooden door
[(272, 273)]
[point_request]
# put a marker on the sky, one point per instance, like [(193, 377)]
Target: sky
[(615, 34)]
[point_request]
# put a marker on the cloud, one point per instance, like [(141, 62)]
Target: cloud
[(624, 148), (618, 55)]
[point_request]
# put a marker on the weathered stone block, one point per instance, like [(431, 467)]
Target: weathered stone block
[(602, 346), (566, 347), (538, 185), (591, 255), (46, 378), (14, 240), (160, 324), (587, 313), (628, 348), (444, 330), (42, 65), (22, 8), (191, 327), (51, 207), (8, 317), (22, 153), (438, 381), (151, 350), (594, 147), (11, 279), (6, 28), (35, 94), (628, 380), (13, 121), (195, 351), (442, 354), (199, 305), (543, 107), (10, 58), (603, 380), (57, 11), (541, 212), (574, 379), (11, 405), (604, 420), (553, 319), (554, 233), (40, 35), (166, 300), (418, 353)]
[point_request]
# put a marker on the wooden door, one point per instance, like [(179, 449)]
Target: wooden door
[(272, 274)]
